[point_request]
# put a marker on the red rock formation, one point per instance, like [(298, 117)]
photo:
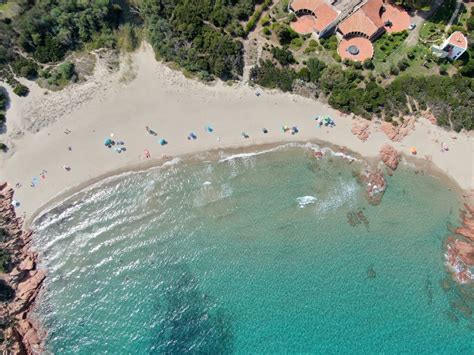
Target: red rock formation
[(460, 253), (21, 335), (390, 156), (361, 130), (376, 185), (318, 154), (467, 229), (430, 117), (397, 133)]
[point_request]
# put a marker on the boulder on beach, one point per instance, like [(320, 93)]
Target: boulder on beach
[(361, 130), (390, 156)]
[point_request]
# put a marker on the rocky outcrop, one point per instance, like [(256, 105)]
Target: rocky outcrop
[(390, 156), (375, 185), (361, 130), (460, 249), (22, 277), (400, 131), (467, 229)]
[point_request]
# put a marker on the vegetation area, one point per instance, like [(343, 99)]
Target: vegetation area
[(6, 292), (205, 38), (433, 29), (374, 88), (5, 260), (4, 101), (198, 35), (385, 45)]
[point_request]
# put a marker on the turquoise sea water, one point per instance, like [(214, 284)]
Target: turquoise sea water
[(253, 255)]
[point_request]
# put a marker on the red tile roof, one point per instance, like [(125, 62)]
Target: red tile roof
[(324, 13), (398, 16), (365, 47), (372, 9), (366, 20), (304, 24), (458, 39)]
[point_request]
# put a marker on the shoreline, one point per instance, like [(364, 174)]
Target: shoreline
[(173, 106), (414, 163), (21, 280)]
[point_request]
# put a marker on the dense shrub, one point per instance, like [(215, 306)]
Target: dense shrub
[(48, 29), (283, 56), (21, 90), (268, 75), (25, 68), (286, 35), (6, 292), (3, 98), (468, 69), (178, 32), (450, 99)]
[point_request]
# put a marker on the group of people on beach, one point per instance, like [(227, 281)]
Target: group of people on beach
[(119, 146), (320, 121)]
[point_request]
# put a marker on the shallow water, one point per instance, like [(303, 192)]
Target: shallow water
[(271, 253)]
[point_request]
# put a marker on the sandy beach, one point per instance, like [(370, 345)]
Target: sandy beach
[(173, 106)]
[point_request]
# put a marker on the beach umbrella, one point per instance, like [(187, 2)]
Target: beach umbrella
[(163, 141), (413, 150), (108, 141)]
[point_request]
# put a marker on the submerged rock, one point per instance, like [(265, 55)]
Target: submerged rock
[(355, 218), (451, 316), (429, 290), (352, 219), (445, 284), (371, 274), (461, 307)]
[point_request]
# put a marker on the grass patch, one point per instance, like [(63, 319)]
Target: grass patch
[(386, 44)]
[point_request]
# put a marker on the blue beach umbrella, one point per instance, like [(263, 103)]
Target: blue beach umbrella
[(108, 141), (163, 141)]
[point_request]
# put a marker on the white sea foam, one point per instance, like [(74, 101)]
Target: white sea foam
[(253, 154), (313, 146), (306, 200), (172, 162), (342, 194)]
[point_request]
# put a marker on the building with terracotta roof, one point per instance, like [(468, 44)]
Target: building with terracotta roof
[(316, 16), (356, 22), (364, 22), (453, 47)]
